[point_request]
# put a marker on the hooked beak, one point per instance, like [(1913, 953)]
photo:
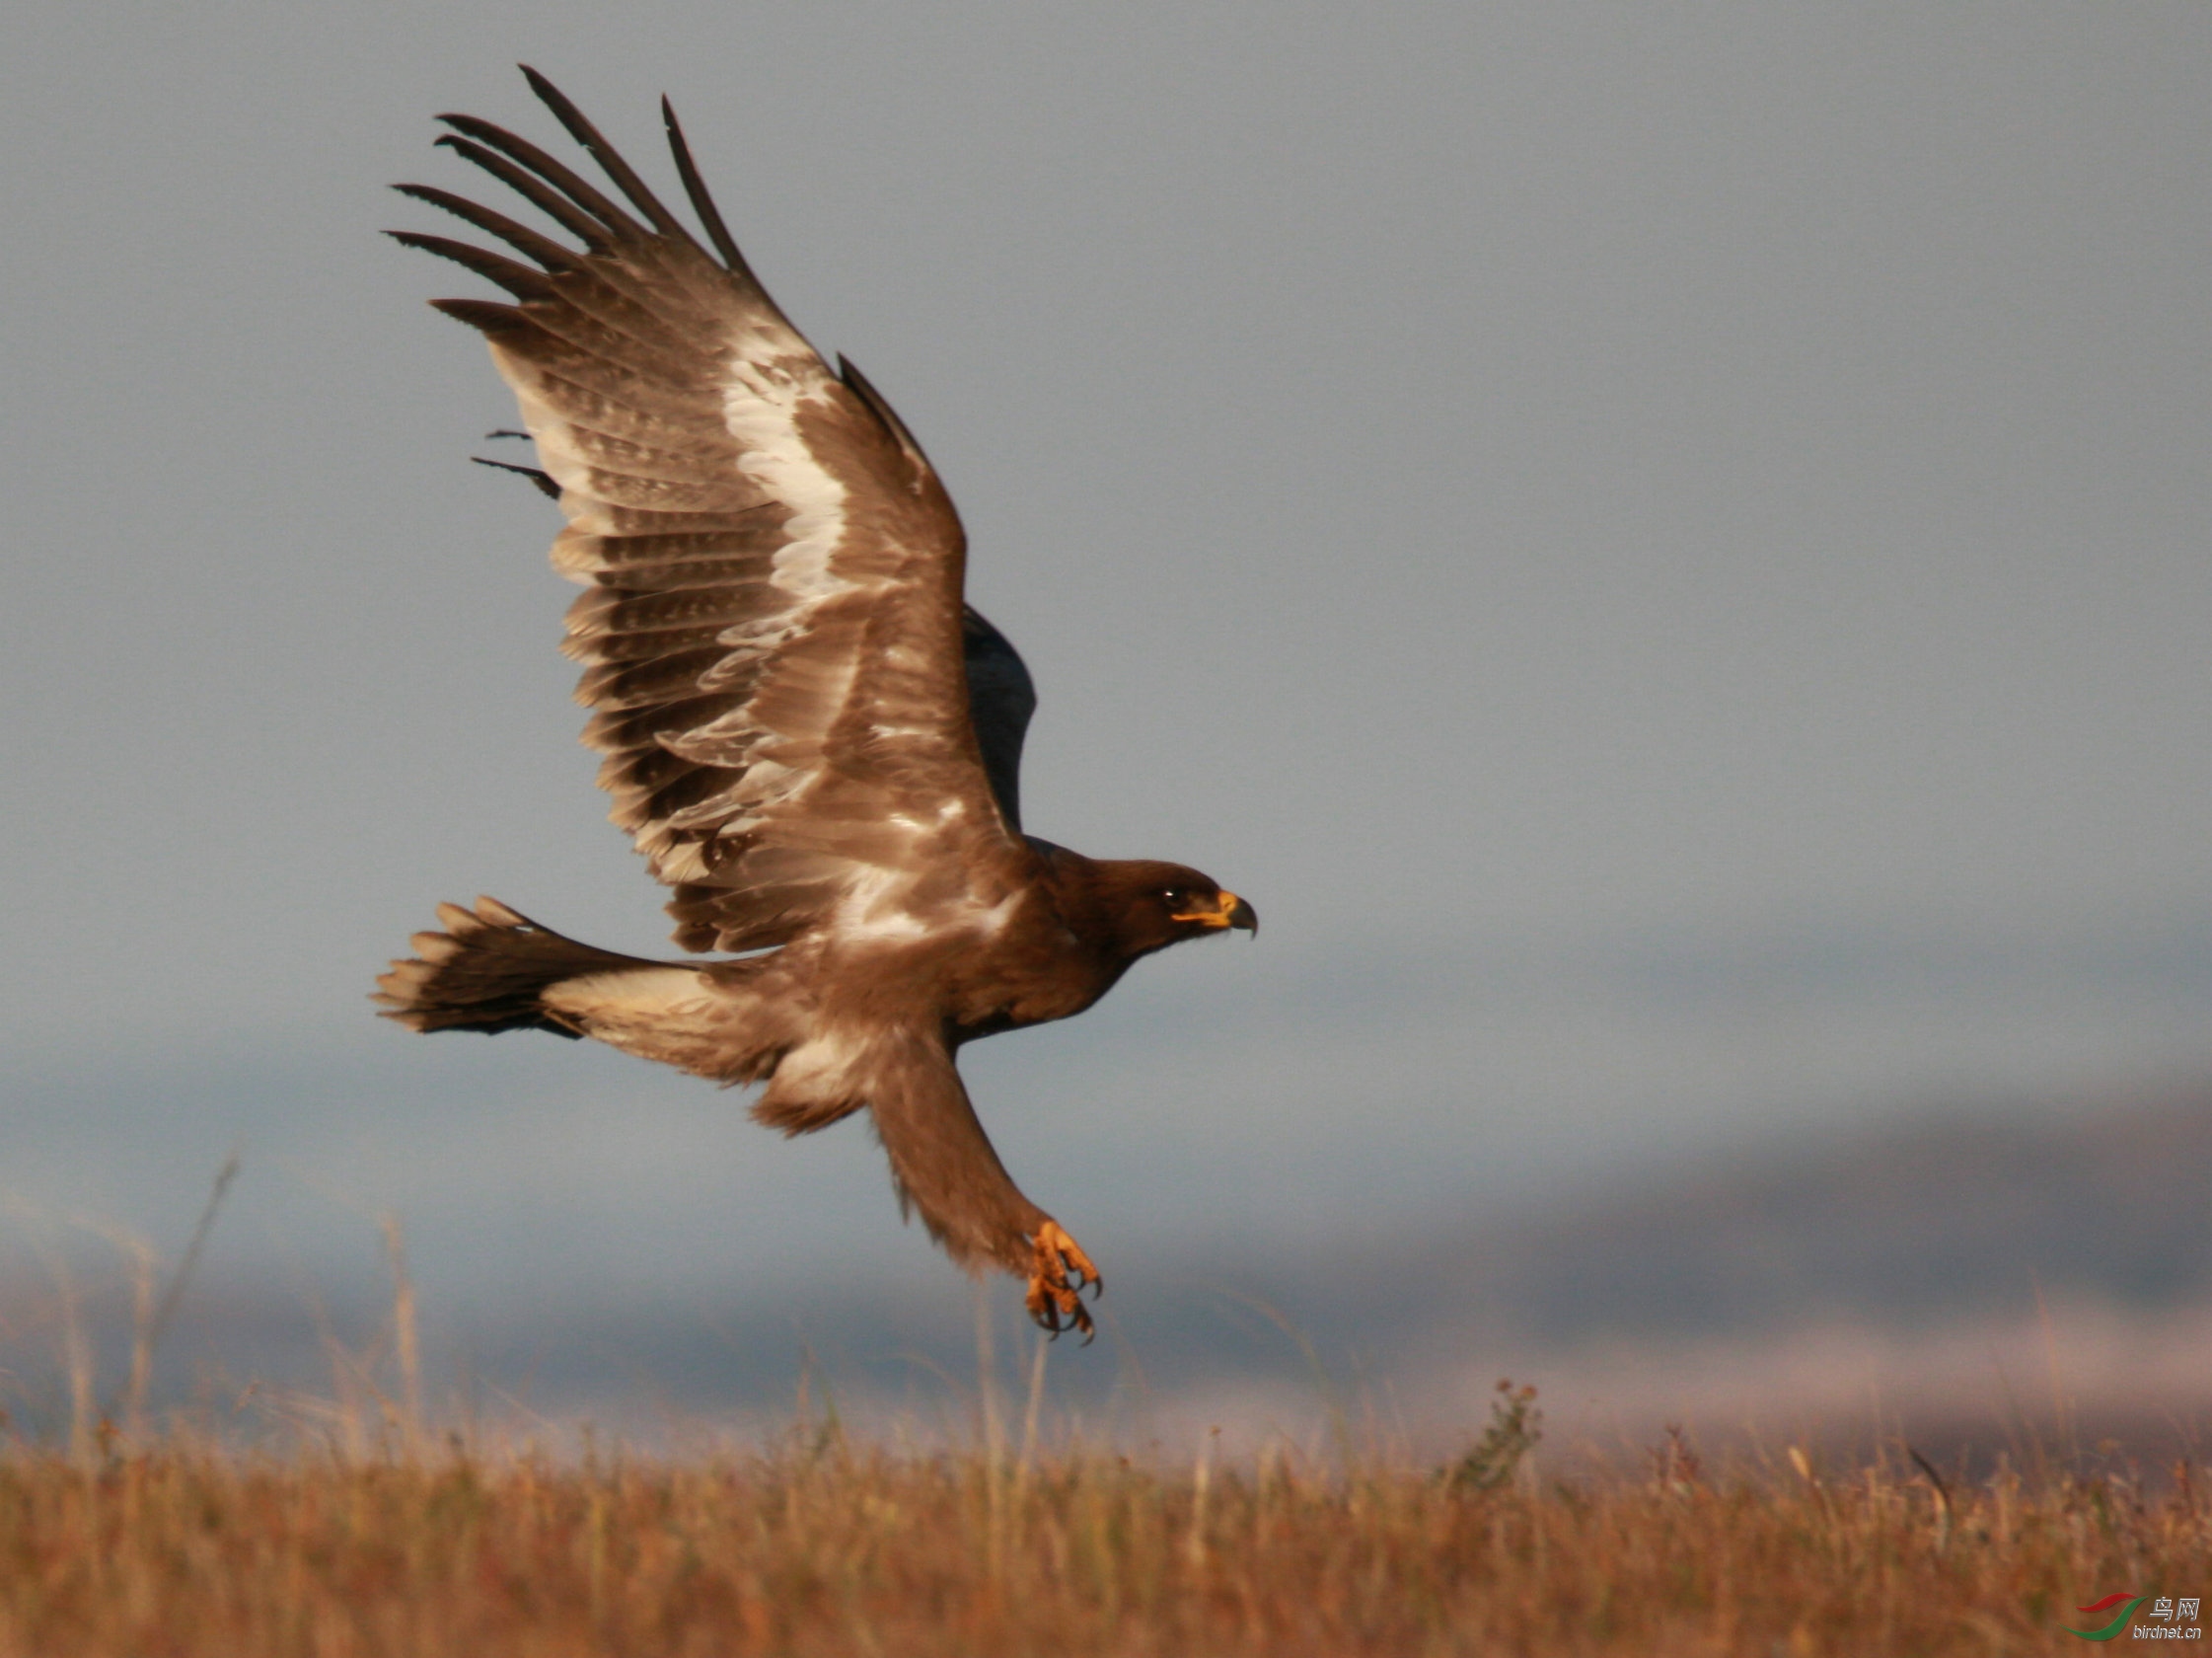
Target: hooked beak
[(1230, 911)]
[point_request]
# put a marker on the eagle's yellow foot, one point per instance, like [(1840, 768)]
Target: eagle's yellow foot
[(1057, 1274)]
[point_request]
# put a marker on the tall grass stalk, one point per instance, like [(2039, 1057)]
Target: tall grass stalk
[(1040, 1345), (405, 1339), (143, 1265)]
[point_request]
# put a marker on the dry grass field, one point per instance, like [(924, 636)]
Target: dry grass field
[(345, 1524), (818, 1546)]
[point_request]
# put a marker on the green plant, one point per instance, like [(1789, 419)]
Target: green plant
[(1516, 1425)]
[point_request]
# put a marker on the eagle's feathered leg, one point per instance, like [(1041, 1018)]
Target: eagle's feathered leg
[(942, 1165)]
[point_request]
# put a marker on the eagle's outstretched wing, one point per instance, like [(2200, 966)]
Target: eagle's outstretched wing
[(772, 637)]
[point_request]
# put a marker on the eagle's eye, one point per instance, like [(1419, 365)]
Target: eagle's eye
[(1176, 899)]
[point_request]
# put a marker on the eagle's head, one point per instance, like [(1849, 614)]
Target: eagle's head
[(1154, 905)]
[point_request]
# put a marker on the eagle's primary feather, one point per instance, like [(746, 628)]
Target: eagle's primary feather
[(813, 740)]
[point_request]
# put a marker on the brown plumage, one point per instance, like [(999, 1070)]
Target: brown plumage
[(811, 739)]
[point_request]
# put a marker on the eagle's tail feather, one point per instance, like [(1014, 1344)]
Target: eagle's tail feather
[(490, 971)]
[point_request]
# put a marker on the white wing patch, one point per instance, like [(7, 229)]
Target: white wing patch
[(876, 909), (879, 908), (761, 409)]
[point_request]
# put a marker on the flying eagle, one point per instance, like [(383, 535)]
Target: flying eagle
[(811, 738)]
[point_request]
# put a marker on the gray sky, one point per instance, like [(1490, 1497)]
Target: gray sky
[(1662, 547)]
